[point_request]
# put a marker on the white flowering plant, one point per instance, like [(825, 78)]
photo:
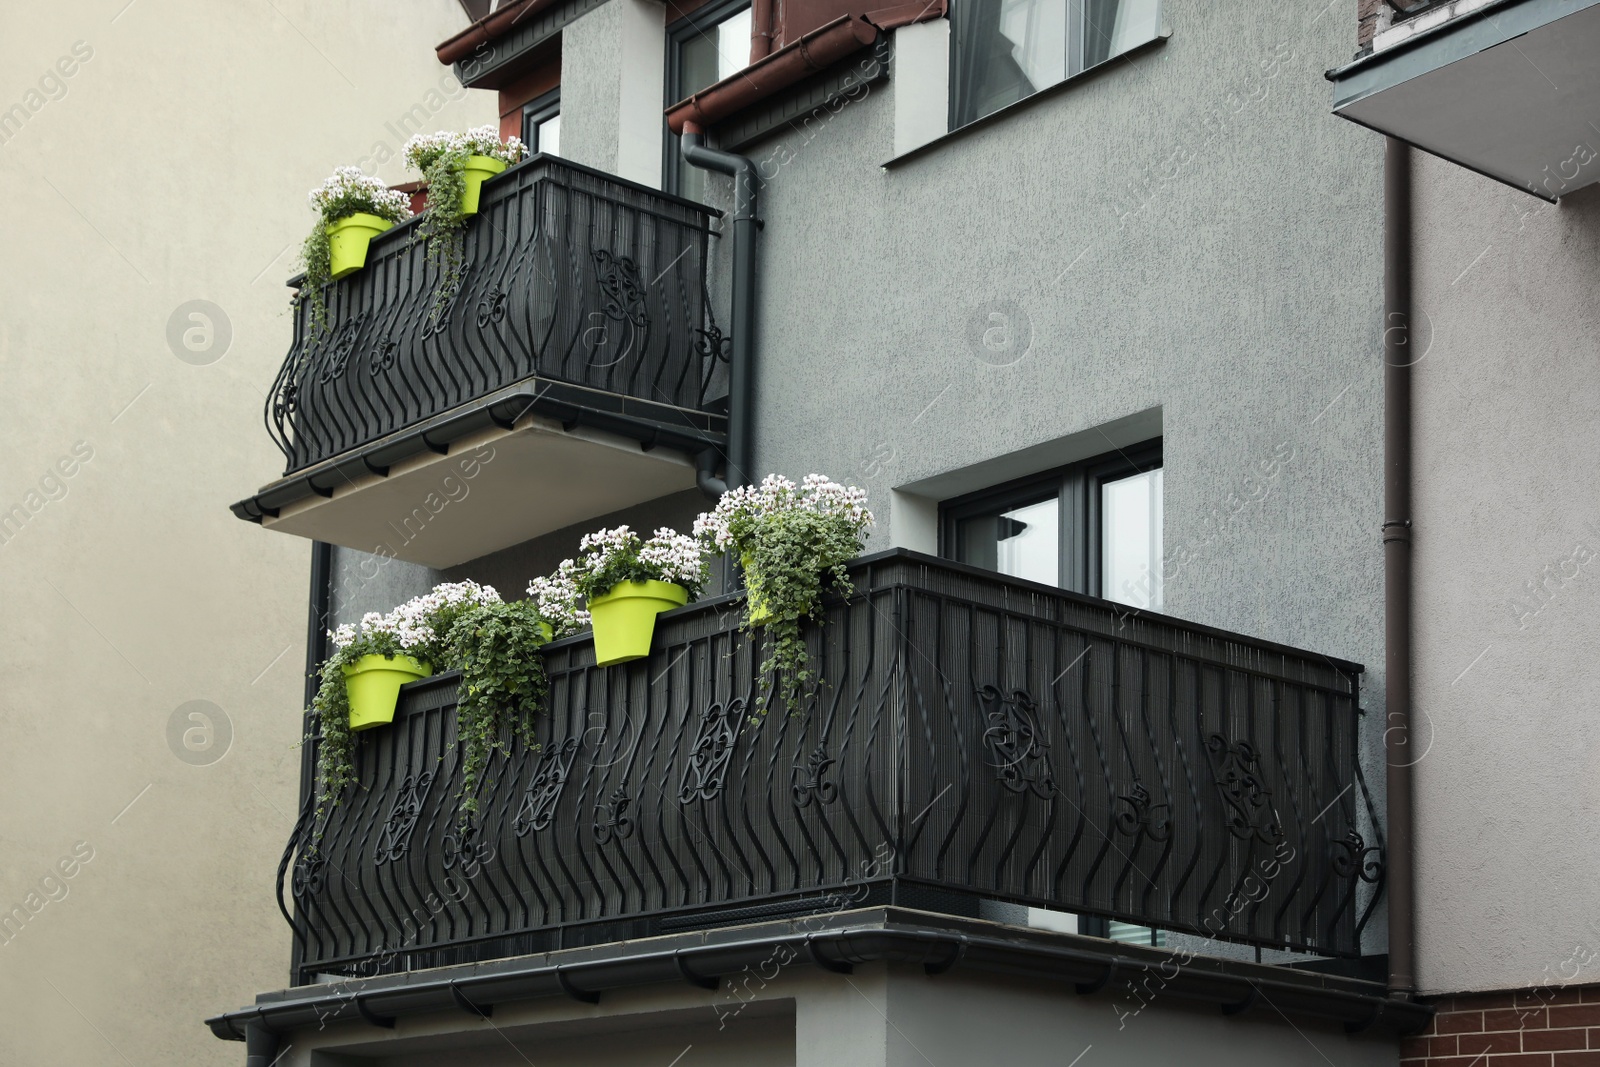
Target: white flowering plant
[(557, 598), (457, 625), (610, 557), (441, 158), (348, 191), (790, 539)]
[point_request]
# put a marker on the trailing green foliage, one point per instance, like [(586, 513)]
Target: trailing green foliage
[(503, 684), (347, 192)]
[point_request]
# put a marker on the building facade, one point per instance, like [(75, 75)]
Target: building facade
[(1172, 714)]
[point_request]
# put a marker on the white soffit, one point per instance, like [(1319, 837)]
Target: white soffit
[(493, 490), (1512, 92)]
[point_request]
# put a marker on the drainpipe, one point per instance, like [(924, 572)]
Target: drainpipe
[(1398, 360), (261, 1046), (761, 28), (317, 625), (742, 323)]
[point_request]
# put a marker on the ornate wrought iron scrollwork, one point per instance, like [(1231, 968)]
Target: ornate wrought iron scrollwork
[(712, 343), (460, 846), (395, 838), (1348, 858), (612, 820), (1139, 815), (340, 347), (712, 751), (309, 874), (492, 308), (382, 356), (284, 404), (811, 781), (623, 287), (1014, 739), (1236, 766), (544, 790)]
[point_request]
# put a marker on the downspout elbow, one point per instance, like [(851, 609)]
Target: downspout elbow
[(705, 475)]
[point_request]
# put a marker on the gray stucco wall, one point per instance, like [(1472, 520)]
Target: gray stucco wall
[(1508, 577)]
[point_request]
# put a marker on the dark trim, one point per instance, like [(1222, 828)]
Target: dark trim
[(514, 46), (320, 616), (1049, 92), (658, 425), (837, 941), (540, 108), (1077, 487), (788, 112)]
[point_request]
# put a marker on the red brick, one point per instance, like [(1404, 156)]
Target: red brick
[(1591, 994), (1458, 1022), (1445, 1046), (1553, 1040), (1524, 1059), (1472, 1044), (1575, 1015), (1577, 1059), (1516, 1019)]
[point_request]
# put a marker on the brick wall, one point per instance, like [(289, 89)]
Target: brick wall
[(1552, 1026), (1367, 21)]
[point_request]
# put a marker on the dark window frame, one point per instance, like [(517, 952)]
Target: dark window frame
[(542, 107), (687, 28), (1077, 486)]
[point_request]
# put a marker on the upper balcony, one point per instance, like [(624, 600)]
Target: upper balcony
[(974, 737), (1506, 88), (576, 370)]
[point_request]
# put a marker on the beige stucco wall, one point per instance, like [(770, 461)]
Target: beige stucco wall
[(170, 166), (1508, 583)]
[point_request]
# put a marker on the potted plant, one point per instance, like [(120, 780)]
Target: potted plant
[(627, 582), (361, 680), (455, 166), (789, 540), (352, 208)]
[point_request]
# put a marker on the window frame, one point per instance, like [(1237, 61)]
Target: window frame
[(1077, 488), (540, 108), (692, 25)]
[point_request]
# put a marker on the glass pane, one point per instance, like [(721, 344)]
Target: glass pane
[(1022, 541), (547, 136), (1005, 50), (705, 59), (1130, 540)]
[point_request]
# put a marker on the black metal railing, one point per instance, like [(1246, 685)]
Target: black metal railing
[(570, 276), (974, 737)]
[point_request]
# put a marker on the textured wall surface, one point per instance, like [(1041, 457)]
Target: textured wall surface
[(170, 166), (1508, 576)]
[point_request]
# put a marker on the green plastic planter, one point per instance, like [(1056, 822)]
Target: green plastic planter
[(373, 683), (478, 169), (625, 618), (757, 610), (348, 239)]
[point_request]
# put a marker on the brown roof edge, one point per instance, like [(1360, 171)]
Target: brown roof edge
[(815, 51), (493, 25)]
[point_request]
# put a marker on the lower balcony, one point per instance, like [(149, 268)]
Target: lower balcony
[(973, 738)]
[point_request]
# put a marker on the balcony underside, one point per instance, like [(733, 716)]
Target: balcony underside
[(525, 462), (1509, 90)]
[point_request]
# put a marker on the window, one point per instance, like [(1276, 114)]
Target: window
[(1093, 527), (702, 49), (1005, 50), (541, 123)]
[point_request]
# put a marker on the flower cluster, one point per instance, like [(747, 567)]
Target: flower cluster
[(610, 557), (720, 529), (416, 628), (349, 190), (426, 149), (556, 597)]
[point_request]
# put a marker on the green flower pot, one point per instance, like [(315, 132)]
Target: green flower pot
[(625, 618), (756, 608), (477, 170), (348, 239), (373, 683)]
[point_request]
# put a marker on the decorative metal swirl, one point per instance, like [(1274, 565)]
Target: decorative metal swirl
[(811, 782), (309, 874), (1021, 754), (713, 749), (616, 824), (1237, 769), (492, 308), (1349, 858), (621, 285), (1141, 816), (538, 807), (395, 839), (340, 347), (712, 343), (460, 846), (382, 356)]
